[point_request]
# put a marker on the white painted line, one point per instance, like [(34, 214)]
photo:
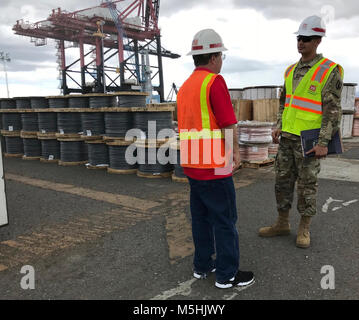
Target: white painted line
[(345, 204), (230, 297), (328, 202), (325, 207), (183, 289), (238, 289)]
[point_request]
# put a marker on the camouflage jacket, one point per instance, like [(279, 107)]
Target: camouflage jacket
[(331, 97)]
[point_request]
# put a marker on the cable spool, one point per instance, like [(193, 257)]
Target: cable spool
[(253, 152), (14, 146), (148, 152), (39, 103), (50, 149), (131, 100), (98, 155), (58, 102), (178, 174), (29, 121), (22, 103), (102, 101), (11, 121), (93, 124), (118, 123), (117, 157), (47, 122), (163, 120), (255, 132), (78, 101), (69, 122), (32, 149), (72, 152), (8, 103)]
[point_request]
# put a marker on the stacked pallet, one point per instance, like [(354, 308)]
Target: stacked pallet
[(256, 110), (254, 139)]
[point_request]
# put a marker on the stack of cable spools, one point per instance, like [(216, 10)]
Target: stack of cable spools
[(254, 139), (356, 119), (11, 127), (113, 131), (118, 123), (256, 110), (72, 148), (154, 123), (30, 127)]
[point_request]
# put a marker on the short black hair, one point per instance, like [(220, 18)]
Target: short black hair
[(203, 59)]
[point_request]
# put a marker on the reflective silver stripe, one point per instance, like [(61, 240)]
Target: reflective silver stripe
[(322, 68), (307, 105), (289, 70), (287, 100)]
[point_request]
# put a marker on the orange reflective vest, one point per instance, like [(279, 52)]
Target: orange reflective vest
[(201, 140)]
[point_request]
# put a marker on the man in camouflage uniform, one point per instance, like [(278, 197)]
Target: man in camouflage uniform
[(290, 165)]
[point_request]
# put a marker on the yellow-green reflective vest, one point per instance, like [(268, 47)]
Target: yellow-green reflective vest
[(303, 107)]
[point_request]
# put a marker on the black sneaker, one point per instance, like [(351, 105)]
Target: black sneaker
[(202, 275), (242, 278)]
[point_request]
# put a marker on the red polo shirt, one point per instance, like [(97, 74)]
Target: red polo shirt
[(224, 113)]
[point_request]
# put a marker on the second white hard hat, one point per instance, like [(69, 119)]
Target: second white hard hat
[(312, 26), (206, 41)]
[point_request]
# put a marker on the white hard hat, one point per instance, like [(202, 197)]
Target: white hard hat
[(206, 41), (312, 26)]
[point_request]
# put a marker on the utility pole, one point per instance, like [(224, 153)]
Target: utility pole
[(4, 57)]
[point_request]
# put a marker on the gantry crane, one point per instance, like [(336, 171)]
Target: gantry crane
[(139, 24)]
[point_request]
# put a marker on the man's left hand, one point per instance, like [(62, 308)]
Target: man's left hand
[(320, 152), (236, 160)]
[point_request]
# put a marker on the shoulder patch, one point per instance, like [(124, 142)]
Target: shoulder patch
[(339, 85)]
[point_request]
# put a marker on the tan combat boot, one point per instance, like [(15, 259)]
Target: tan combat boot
[(303, 236), (280, 228)]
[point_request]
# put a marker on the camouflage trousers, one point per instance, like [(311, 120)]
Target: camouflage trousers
[(292, 167)]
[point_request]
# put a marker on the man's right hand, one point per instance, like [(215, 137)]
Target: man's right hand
[(275, 135)]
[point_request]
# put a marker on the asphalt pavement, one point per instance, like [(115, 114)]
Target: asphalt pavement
[(88, 234)]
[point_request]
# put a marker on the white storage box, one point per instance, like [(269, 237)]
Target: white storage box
[(346, 125), (262, 92), (348, 97)]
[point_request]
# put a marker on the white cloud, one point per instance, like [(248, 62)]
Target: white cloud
[(28, 89), (258, 34), (252, 39)]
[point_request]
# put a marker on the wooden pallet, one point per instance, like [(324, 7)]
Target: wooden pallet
[(258, 164), (178, 179)]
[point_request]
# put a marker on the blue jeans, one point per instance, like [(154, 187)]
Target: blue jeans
[(214, 216)]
